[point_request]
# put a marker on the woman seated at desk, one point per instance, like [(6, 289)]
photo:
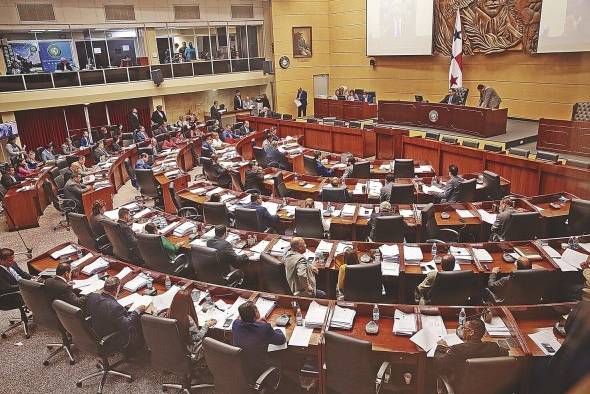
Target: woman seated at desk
[(22, 170), (172, 249)]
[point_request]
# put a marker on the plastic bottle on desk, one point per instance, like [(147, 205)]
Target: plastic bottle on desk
[(376, 313), (434, 250), (462, 317), (167, 283), (299, 317)]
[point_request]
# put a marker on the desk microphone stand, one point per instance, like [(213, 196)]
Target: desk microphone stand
[(29, 251)]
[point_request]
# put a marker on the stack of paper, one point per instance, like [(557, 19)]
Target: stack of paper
[(365, 212), (280, 247), (486, 216), (573, 258), (274, 348), (123, 273), (80, 283), (497, 327), (96, 266), (342, 246), (342, 318), (404, 323), (272, 207), (168, 228), (316, 314), (163, 301), (428, 189), (482, 255), (464, 213), (213, 191), (348, 210), (136, 283), (198, 190), (461, 254), (435, 322), (183, 229), (70, 249), (545, 340), (260, 247), (135, 300), (89, 285), (300, 336), (358, 188), (265, 306), (389, 253), (412, 254), (80, 261), (406, 213), (226, 197), (324, 247), (142, 213)]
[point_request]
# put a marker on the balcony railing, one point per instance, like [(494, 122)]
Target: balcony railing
[(37, 81)]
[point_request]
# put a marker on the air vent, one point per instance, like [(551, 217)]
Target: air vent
[(119, 12), (242, 11), (35, 12), (186, 12)]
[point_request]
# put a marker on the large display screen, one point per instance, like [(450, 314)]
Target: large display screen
[(565, 26)]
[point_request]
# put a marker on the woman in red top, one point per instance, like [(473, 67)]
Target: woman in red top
[(169, 144), (22, 170)]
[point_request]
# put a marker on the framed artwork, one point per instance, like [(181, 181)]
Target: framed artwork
[(302, 42)]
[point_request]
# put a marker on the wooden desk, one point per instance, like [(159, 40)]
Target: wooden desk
[(24, 207), (564, 136), (343, 109), (482, 122)]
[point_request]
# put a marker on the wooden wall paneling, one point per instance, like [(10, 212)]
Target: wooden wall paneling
[(370, 143), (523, 173), (468, 160), (555, 135), (421, 149), (557, 178), (321, 109), (293, 129), (583, 141), (336, 108), (317, 138), (345, 141)]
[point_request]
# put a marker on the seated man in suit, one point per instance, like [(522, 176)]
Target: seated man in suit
[(228, 136), (349, 167), (130, 239), (385, 193), (449, 360), (97, 217), (67, 148), (498, 230), (335, 184), (498, 285), (140, 135), (9, 178), (452, 97), (488, 97), (10, 272), (252, 333), (266, 219), (301, 273), (422, 293), (384, 210), (451, 190), (142, 162), (254, 178), (221, 174), (321, 169), (100, 153), (228, 258), (207, 149), (74, 189), (58, 287), (275, 156), (245, 129), (85, 140), (79, 166), (48, 154), (108, 316)]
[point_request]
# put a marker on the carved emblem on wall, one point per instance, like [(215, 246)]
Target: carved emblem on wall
[(489, 26)]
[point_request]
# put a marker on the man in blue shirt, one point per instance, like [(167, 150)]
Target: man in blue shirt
[(140, 135), (85, 140), (207, 149), (322, 170), (253, 334), (266, 219), (143, 162)]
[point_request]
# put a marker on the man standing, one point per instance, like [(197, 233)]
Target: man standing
[(159, 116), (214, 111), (488, 97), (58, 287), (301, 273), (302, 98), (134, 120), (238, 101)]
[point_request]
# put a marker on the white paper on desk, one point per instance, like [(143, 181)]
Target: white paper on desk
[(280, 246), (64, 252), (585, 246), (113, 215), (497, 327), (422, 169), (435, 322), (426, 338), (554, 254), (315, 316), (487, 217), (300, 336), (342, 246), (136, 283), (198, 191), (412, 253), (389, 251), (98, 265), (226, 197), (574, 258), (565, 267), (93, 287), (309, 186), (209, 234), (143, 300), (482, 255), (358, 188), (324, 247), (545, 335), (428, 189), (213, 191), (289, 209), (123, 273), (163, 301), (274, 348), (260, 247), (450, 339), (80, 261), (389, 268), (130, 299), (142, 213), (460, 253), (183, 229), (406, 213), (265, 306), (348, 210), (464, 213), (168, 228), (272, 207), (365, 212), (404, 323), (79, 283), (138, 227), (342, 318)]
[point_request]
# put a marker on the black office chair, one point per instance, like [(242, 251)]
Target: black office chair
[(207, 268), (527, 287), (148, 186), (522, 226), (547, 156), (230, 372), (471, 144), (181, 210), (491, 375), (519, 152), (74, 321), (168, 352), (62, 163), (492, 148), (236, 181), (156, 258), (279, 187), (121, 249), (402, 194), (248, 220), (259, 156), (364, 377), (579, 217), (210, 174), (578, 163), (273, 276), (491, 187), (363, 282), (63, 205), (403, 168), (449, 140), (467, 190), (11, 301), (130, 171), (361, 170), (39, 302), (388, 229), (215, 213), (432, 136), (308, 223), (334, 194), (54, 172), (66, 173), (59, 184), (310, 166), (127, 139), (86, 237), (455, 288)]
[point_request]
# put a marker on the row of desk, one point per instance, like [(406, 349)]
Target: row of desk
[(564, 136), (344, 109)]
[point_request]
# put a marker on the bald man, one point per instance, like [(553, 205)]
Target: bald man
[(301, 273)]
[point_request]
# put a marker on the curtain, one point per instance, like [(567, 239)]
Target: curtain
[(119, 112), (76, 119), (98, 115), (37, 127)]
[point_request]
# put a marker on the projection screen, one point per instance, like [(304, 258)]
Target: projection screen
[(565, 26)]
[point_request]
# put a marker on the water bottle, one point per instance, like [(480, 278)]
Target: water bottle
[(376, 313), (576, 242), (167, 283), (298, 317), (462, 317), (571, 243), (150, 281), (434, 250)]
